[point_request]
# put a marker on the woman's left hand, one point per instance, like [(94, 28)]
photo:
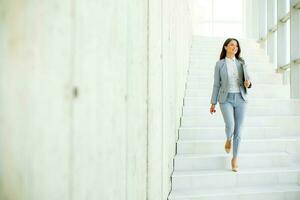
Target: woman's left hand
[(246, 83)]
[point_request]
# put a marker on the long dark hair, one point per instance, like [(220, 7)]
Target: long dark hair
[(223, 52)]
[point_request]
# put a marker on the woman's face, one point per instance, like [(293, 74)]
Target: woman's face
[(232, 47)]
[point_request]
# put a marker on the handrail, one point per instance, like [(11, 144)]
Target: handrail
[(285, 18), (282, 20), (288, 66), (297, 5)]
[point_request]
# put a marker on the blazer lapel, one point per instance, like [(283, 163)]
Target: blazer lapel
[(224, 70)]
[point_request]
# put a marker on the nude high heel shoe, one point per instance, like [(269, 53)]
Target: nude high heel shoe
[(234, 165), (228, 146)]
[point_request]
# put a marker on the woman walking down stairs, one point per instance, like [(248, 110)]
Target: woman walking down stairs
[(269, 154)]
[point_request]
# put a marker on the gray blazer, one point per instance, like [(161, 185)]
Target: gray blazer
[(221, 84)]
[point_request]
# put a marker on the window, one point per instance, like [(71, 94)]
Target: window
[(218, 17)]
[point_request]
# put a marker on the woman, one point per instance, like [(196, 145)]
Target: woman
[(231, 81)]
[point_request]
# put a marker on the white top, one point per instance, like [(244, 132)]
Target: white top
[(233, 75)]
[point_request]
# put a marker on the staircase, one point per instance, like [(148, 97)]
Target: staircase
[(269, 156)]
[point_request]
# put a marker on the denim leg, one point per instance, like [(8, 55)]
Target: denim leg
[(228, 116), (239, 116)]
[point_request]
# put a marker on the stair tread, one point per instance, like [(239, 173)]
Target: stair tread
[(292, 168), (236, 190), (283, 138), (221, 136), (197, 155), (254, 99), (272, 116), (210, 127)]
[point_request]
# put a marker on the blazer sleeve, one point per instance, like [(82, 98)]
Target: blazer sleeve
[(216, 85)]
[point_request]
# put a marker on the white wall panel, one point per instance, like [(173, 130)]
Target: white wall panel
[(116, 139)]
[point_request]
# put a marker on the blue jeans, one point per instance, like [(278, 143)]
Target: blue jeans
[(233, 111)]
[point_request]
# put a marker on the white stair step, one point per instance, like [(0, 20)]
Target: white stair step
[(251, 110), (203, 82), (209, 147), (212, 62), (208, 69), (219, 133), (214, 44), (266, 192), (257, 71), (214, 41), (194, 80), (209, 65), (211, 120), (207, 38), (201, 50), (205, 50), (256, 87), (218, 45), (221, 39), (275, 102), (222, 161), (262, 86), (216, 52), (257, 91), (215, 57), (207, 73), (228, 179)]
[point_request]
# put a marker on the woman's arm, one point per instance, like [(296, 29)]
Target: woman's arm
[(216, 86)]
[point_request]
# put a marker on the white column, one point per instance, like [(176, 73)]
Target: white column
[(271, 22), (295, 51), (249, 18), (283, 37), (262, 6), (255, 16), (283, 34)]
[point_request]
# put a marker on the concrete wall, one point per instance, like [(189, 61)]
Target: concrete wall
[(90, 97), (35, 100)]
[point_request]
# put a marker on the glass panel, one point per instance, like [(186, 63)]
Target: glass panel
[(204, 10), (216, 17), (229, 10)]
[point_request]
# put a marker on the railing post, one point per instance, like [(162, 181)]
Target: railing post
[(295, 48), (263, 31)]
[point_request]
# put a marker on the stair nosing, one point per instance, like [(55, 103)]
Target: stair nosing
[(216, 172), (278, 188)]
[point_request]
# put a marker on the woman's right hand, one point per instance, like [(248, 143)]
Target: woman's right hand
[(212, 109)]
